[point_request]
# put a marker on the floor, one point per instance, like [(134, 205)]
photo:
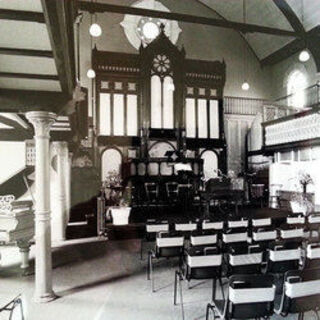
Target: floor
[(99, 280)]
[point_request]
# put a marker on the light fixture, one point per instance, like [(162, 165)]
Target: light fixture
[(150, 30), (95, 30), (304, 56), (245, 86), (91, 74)]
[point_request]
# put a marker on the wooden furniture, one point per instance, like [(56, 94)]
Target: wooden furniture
[(17, 227)]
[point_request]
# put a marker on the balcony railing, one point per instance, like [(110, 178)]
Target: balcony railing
[(311, 97)]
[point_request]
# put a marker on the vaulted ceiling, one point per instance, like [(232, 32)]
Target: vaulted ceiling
[(301, 16)]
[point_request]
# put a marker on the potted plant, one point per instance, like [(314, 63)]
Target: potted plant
[(118, 198), (300, 202)]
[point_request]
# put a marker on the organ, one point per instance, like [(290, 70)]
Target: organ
[(155, 103)]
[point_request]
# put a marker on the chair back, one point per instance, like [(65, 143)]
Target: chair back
[(190, 226), (264, 234), (152, 190), (296, 220), (203, 263), (264, 222), (203, 238), (172, 190), (169, 244), (301, 291), (291, 232), (243, 223), (313, 255), (250, 296), (212, 225), (235, 235), (283, 257), (245, 259)]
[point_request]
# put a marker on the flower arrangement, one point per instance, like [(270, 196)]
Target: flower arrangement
[(113, 180), (304, 179), (302, 202)]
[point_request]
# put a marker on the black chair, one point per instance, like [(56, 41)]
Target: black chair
[(236, 223), (283, 256), (301, 293), (244, 259), (261, 222), (234, 235), (210, 224), (172, 191), (249, 296), (199, 264), (15, 309), (152, 191), (203, 238), (313, 225), (312, 259), (291, 232), (152, 228), (168, 245)]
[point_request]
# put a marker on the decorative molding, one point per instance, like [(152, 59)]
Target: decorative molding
[(42, 122), (293, 130)]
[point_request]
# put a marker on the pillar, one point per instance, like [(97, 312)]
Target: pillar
[(60, 212), (42, 121)]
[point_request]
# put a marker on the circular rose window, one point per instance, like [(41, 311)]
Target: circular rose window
[(143, 30)]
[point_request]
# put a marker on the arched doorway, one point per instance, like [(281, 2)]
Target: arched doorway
[(111, 161), (210, 164)]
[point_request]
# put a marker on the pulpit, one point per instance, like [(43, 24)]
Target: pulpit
[(17, 225)]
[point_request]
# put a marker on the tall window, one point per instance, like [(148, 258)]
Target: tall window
[(202, 114), (297, 82), (162, 92), (118, 111)]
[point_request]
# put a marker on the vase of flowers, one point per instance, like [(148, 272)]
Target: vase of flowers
[(302, 202)]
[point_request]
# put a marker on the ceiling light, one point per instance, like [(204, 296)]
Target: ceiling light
[(304, 56), (245, 86), (150, 30), (91, 74), (95, 30)]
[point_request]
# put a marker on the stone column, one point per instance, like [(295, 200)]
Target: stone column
[(60, 213), (69, 171), (42, 121)]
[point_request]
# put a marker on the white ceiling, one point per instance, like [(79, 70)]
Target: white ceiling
[(26, 35), (260, 12)]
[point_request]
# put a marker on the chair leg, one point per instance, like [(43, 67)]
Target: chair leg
[(209, 307), (221, 287), (214, 287), (151, 274), (141, 248), (175, 287), (148, 265), (181, 297)]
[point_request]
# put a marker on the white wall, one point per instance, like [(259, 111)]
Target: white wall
[(200, 42), (12, 159)]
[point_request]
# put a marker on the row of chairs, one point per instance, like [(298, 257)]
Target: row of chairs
[(254, 296)]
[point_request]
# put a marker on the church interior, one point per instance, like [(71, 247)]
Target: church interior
[(159, 159)]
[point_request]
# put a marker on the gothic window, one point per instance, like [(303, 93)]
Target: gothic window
[(296, 84), (162, 93)]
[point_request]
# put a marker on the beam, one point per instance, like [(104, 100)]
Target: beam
[(94, 7), (26, 52), (59, 20), (21, 15), (290, 15), (15, 135), (11, 123), (20, 101), (311, 40), (28, 76)]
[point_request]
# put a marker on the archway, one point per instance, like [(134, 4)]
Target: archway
[(111, 161)]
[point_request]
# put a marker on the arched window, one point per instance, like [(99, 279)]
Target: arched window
[(162, 92), (111, 161), (296, 84), (210, 164)]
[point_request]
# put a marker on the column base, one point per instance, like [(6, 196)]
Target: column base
[(47, 297)]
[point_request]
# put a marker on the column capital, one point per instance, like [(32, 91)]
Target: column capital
[(42, 122)]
